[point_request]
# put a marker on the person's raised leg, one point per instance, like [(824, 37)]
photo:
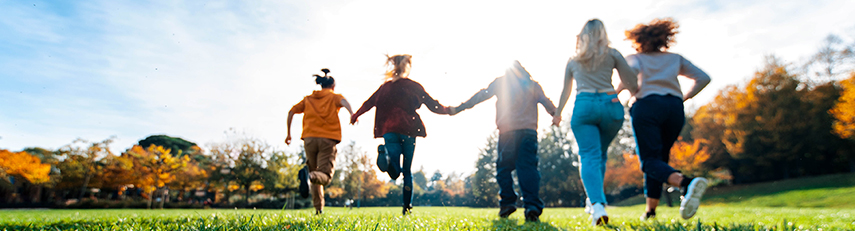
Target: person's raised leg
[(394, 149)]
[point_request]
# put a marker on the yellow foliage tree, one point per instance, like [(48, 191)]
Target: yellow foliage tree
[(155, 167), (24, 165), (690, 157), (844, 110)]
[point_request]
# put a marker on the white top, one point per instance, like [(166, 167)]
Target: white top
[(658, 71), (600, 77)]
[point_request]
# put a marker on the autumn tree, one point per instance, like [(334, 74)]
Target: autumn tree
[(360, 180), (80, 163), (689, 157), (24, 167), (155, 167), (844, 115)]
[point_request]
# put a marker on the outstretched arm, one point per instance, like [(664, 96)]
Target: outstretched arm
[(290, 117), (367, 105), (432, 104), (346, 105), (298, 108), (565, 94), (481, 96)]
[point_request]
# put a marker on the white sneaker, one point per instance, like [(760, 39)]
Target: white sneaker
[(588, 208), (692, 200), (598, 215)]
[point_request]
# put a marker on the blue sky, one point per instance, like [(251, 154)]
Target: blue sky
[(191, 69)]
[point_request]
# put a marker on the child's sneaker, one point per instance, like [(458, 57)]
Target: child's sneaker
[(692, 200), (598, 215), (303, 175)]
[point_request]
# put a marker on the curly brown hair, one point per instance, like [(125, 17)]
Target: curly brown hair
[(656, 36)]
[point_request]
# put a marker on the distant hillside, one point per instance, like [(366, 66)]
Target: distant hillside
[(831, 191)]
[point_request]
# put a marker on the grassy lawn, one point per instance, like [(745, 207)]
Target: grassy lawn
[(424, 218)]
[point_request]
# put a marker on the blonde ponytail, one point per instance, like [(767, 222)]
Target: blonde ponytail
[(400, 66)]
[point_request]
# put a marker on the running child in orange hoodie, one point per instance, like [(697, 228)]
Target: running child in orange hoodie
[(321, 132)]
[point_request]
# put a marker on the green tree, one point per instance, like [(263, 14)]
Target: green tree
[(178, 146), (560, 183)]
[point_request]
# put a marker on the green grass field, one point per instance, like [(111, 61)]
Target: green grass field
[(819, 203), (425, 218)]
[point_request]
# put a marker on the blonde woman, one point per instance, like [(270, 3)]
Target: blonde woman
[(396, 120), (598, 114), (657, 114)]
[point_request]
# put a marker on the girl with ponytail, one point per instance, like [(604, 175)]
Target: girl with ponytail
[(396, 120), (321, 132)]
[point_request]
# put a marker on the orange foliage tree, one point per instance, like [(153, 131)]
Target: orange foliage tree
[(623, 172), (844, 110), (690, 157), (23, 165), (154, 167)]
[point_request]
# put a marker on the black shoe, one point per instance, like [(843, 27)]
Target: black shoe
[(648, 216), (407, 210), (382, 158), (319, 212), (506, 211), (304, 181), (532, 216)]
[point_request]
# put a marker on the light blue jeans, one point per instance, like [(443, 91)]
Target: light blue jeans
[(597, 118)]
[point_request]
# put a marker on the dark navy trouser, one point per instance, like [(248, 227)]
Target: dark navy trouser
[(518, 150), (656, 121)]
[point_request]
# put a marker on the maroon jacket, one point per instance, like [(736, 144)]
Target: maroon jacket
[(396, 104)]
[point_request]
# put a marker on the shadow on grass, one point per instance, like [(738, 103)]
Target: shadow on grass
[(513, 224)]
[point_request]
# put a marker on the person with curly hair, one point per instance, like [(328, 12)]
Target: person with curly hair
[(396, 120), (598, 114), (657, 114)]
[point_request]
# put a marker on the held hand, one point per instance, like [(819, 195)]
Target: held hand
[(452, 111), (288, 140), (556, 120)]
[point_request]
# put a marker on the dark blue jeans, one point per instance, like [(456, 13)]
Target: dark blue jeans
[(396, 146), (518, 150), (657, 121)]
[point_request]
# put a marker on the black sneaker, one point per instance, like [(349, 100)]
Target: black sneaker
[(319, 212), (506, 211), (648, 216), (304, 181), (382, 158), (532, 216), (407, 210)]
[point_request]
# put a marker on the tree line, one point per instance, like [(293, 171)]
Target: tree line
[(789, 120)]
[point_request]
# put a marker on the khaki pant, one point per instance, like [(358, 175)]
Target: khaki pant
[(320, 155)]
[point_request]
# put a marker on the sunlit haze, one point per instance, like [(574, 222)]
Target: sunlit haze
[(194, 69)]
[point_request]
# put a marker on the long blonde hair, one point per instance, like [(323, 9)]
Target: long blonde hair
[(592, 44), (400, 66)]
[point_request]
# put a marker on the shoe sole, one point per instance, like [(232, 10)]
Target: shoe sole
[(602, 221), (696, 189), (507, 214)]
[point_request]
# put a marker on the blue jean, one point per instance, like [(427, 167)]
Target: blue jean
[(518, 150), (396, 146), (657, 121), (597, 119)]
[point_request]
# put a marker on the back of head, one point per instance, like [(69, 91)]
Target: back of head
[(592, 44), (657, 36), (325, 81), (399, 66)]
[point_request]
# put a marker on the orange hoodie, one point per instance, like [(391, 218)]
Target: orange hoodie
[(320, 117)]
